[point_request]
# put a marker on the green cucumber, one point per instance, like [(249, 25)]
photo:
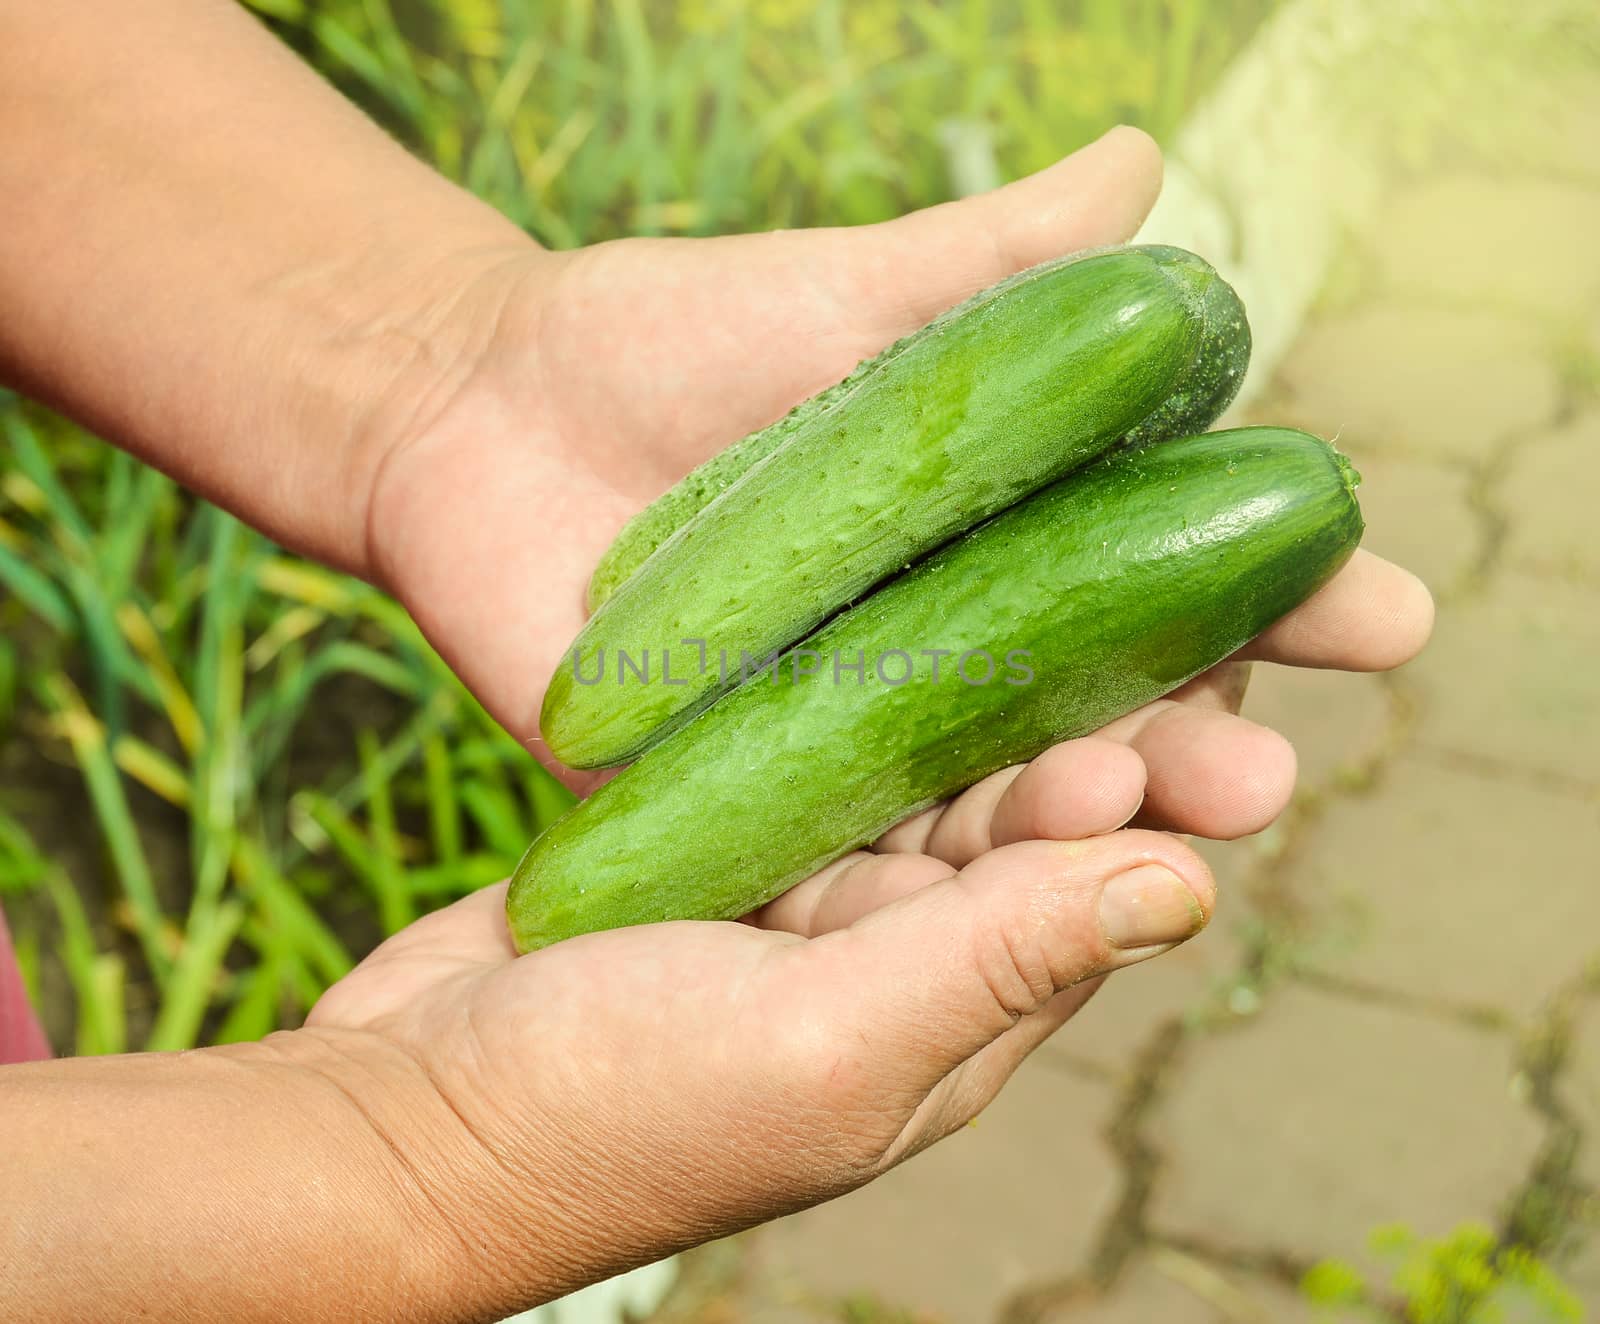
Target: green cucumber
[(989, 403), (669, 512), (1111, 587), (1190, 409)]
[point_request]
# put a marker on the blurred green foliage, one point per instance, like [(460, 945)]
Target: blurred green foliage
[(224, 772), (276, 767), (584, 120), (1469, 1276)]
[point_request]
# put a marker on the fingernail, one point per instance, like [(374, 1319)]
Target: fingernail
[(1148, 906)]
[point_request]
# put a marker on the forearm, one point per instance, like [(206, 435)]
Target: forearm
[(229, 1184), (213, 260)]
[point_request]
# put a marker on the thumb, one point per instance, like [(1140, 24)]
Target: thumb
[(938, 976), (1098, 195)]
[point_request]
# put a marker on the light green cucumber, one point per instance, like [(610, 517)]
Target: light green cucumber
[(674, 508), (1086, 600), (989, 403)]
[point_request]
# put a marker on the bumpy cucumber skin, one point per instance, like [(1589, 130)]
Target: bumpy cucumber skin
[(1206, 391), (1067, 361), (1122, 581), (1216, 372), (669, 512)]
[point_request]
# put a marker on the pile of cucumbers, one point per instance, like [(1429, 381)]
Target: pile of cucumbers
[(1004, 531)]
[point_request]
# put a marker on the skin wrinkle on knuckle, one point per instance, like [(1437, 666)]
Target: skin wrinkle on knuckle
[(1012, 961)]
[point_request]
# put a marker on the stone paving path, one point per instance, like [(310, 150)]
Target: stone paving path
[(1396, 1016)]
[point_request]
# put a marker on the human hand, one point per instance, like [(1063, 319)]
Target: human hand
[(616, 1097), (626, 1093), (458, 1133), (612, 370)]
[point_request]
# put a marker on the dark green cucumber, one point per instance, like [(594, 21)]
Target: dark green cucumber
[(988, 404), (1104, 591), (1190, 409)]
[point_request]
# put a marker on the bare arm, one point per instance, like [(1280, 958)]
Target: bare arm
[(459, 1133), (238, 1183), (216, 262)]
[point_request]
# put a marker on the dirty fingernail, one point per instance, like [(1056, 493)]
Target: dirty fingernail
[(1148, 906)]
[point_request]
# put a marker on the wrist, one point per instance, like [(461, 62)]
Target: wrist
[(256, 1181), (398, 1171), (489, 1210), (375, 349), (426, 381)]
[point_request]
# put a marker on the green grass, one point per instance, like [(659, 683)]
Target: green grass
[(226, 772)]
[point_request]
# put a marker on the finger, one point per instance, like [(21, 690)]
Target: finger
[(468, 934), (1080, 788), (1221, 688), (1371, 616), (1211, 773), (835, 897), (1068, 793), (920, 264), (938, 975), (472, 929), (1176, 766)]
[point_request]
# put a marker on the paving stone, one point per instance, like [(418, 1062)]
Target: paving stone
[(1418, 516), (1465, 887), (1328, 1116), (1445, 382), (1548, 497), (1162, 1288), (1233, 863), (1336, 723), (960, 1228), (1528, 242), (1284, 1305), (1515, 1303), (1141, 1294), (763, 1308), (1511, 676)]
